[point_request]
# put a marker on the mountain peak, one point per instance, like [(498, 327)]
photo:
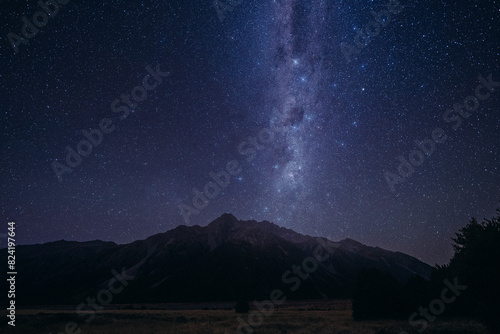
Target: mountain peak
[(227, 220), (223, 227), (226, 217)]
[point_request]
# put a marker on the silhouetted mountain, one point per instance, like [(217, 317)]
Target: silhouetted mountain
[(223, 261)]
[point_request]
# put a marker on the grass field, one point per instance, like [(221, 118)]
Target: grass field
[(296, 319)]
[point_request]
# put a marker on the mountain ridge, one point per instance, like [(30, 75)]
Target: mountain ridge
[(226, 260)]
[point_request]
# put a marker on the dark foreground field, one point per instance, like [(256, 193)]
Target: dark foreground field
[(296, 318)]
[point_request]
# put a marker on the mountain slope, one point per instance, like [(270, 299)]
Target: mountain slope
[(223, 261)]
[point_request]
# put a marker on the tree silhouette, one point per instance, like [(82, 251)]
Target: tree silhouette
[(476, 264)]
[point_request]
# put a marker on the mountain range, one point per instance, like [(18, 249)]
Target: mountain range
[(226, 260)]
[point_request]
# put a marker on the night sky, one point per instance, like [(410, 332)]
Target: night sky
[(304, 118)]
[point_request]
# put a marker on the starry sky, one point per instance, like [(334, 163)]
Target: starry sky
[(299, 112)]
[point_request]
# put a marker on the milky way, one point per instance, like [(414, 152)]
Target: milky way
[(295, 97)]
